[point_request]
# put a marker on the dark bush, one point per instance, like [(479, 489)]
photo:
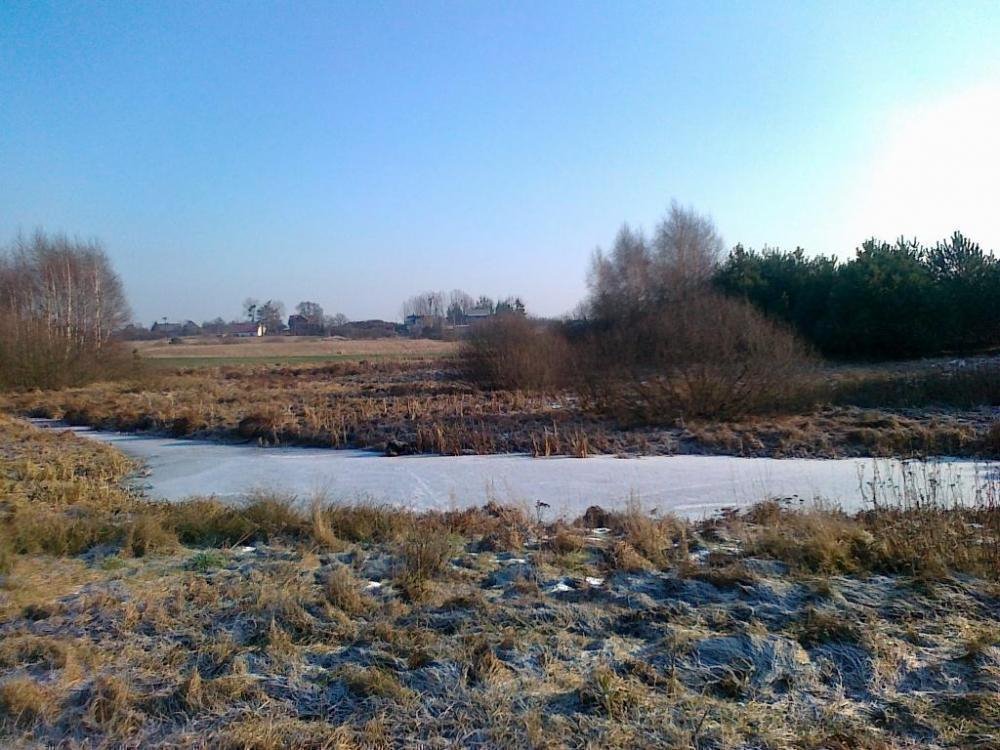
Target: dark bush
[(515, 352), (702, 355)]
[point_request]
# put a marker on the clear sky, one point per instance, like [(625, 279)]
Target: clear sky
[(356, 153)]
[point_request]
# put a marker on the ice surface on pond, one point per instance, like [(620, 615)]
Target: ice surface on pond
[(688, 485)]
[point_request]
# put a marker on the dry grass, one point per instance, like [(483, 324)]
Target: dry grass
[(252, 733), (343, 590), (279, 624), (608, 693), (647, 541), (426, 406), (293, 346), (24, 701), (934, 540)]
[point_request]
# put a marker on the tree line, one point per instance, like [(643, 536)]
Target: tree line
[(456, 306), (891, 300), (674, 327), (272, 314), (654, 340), (308, 315)]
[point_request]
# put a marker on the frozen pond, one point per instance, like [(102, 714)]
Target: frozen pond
[(687, 485)]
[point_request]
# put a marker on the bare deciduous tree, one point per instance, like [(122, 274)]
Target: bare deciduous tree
[(272, 315), (686, 249), (60, 304), (429, 304), (311, 311), (333, 321), (459, 304), (638, 274)]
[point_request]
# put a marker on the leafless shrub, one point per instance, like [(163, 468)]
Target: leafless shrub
[(511, 351), (703, 355)]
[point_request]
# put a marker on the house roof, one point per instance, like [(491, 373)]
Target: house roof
[(244, 327)]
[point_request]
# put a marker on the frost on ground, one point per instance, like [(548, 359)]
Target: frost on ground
[(125, 623), (277, 646)]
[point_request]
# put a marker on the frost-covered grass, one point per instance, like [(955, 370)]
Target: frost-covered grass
[(279, 625)]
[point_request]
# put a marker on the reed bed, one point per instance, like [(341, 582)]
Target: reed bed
[(427, 407)]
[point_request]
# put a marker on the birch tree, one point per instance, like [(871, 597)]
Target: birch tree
[(60, 304)]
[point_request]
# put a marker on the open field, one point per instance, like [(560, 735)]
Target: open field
[(411, 403), (127, 623), (209, 351)]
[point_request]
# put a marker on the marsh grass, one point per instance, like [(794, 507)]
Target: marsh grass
[(192, 639), (934, 540), (646, 540), (343, 590), (971, 385), (427, 406)]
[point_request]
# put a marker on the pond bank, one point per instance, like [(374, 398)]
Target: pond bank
[(691, 486)]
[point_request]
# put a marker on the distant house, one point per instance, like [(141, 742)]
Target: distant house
[(300, 325), (478, 313), (422, 325), (245, 330), (170, 330), (166, 329)]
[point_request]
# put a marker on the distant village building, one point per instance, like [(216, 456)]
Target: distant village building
[(426, 325), (477, 313), (169, 330), (422, 325), (246, 330), (300, 325)]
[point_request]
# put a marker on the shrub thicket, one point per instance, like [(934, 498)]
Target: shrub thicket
[(658, 342), (701, 355), (513, 351)]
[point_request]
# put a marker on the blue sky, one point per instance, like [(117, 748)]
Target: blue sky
[(354, 154)]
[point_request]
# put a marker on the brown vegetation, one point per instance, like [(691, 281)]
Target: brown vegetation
[(512, 352), (429, 407), (60, 304), (702, 356), (211, 347), (280, 623)]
